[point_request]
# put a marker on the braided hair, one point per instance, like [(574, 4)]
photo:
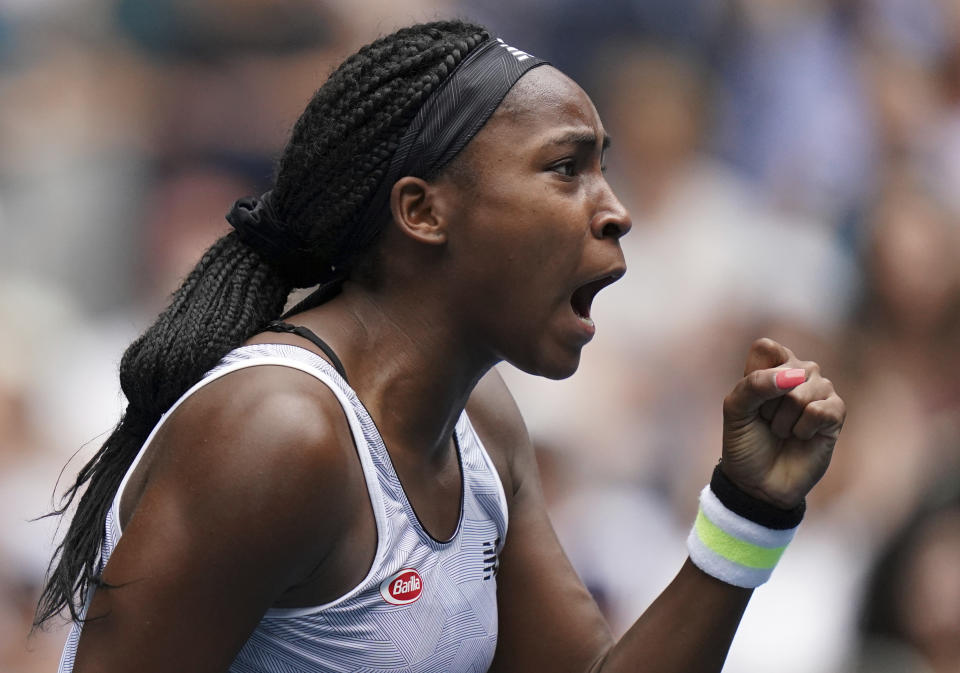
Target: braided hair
[(336, 158)]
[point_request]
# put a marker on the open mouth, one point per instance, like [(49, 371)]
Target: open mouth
[(583, 296)]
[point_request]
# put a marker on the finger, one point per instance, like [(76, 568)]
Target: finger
[(794, 403), (769, 408), (821, 417), (766, 353), (757, 387)]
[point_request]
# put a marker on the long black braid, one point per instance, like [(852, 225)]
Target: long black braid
[(337, 156)]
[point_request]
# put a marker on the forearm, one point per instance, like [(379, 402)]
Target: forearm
[(773, 454), (688, 629)]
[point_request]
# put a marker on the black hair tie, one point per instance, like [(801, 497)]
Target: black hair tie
[(260, 227)]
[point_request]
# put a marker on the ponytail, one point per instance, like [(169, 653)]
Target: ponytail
[(228, 297)]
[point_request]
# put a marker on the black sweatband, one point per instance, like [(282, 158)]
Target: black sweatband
[(752, 508), (452, 114)]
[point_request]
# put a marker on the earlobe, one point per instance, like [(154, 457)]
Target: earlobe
[(415, 213)]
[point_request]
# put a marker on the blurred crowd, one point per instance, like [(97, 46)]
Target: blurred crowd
[(792, 168)]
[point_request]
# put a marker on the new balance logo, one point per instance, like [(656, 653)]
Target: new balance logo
[(519, 55), (491, 562)]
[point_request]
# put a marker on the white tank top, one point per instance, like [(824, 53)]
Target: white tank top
[(424, 606)]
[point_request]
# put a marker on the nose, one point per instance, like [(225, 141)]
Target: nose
[(611, 219)]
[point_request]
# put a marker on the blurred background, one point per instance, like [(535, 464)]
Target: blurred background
[(793, 171)]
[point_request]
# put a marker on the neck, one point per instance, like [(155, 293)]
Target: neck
[(412, 370)]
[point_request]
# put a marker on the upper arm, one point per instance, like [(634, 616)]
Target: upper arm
[(547, 618), (242, 470)]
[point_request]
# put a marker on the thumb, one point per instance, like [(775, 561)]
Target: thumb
[(766, 353), (757, 387)]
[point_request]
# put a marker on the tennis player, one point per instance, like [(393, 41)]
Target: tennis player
[(350, 487)]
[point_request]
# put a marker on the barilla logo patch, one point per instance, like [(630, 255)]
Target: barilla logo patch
[(402, 588)]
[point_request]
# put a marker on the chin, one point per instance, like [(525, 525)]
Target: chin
[(554, 368), (558, 374)]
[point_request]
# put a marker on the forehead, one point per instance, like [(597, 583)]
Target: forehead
[(545, 91), (543, 102)]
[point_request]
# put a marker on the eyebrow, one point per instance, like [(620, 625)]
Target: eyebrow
[(588, 138)]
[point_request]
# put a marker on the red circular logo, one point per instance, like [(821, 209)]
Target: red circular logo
[(402, 588)]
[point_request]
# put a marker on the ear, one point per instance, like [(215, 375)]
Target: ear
[(414, 206)]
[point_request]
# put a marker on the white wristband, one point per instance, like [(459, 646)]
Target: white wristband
[(731, 548)]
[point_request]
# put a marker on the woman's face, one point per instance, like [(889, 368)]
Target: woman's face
[(535, 227)]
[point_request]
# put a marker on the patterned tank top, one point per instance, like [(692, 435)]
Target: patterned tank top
[(424, 606)]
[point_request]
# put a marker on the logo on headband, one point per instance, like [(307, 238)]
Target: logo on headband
[(519, 55)]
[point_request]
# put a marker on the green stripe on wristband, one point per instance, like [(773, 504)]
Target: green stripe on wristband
[(743, 553)]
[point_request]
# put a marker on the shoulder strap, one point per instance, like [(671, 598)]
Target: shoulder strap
[(280, 326)]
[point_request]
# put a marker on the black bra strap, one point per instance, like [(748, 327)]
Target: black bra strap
[(280, 326)]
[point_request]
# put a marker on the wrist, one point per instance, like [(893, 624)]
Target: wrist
[(750, 507), (737, 538)]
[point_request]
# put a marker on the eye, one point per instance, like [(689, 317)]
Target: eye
[(567, 168)]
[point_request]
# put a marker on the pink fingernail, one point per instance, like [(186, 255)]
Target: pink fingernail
[(789, 378)]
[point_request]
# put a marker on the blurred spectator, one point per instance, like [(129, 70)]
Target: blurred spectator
[(899, 357), (943, 160), (911, 611), (903, 102), (183, 214), (915, 28), (29, 464), (792, 111), (217, 28), (574, 35), (70, 168)]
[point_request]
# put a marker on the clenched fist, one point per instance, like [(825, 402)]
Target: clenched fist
[(780, 425)]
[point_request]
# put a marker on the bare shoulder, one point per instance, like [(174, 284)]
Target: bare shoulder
[(266, 449), (280, 419), (497, 420), (252, 483)]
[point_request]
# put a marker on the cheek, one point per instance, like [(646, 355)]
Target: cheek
[(525, 261), (531, 226), (520, 241)]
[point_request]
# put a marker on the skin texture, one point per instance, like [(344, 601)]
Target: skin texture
[(252, 495)]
